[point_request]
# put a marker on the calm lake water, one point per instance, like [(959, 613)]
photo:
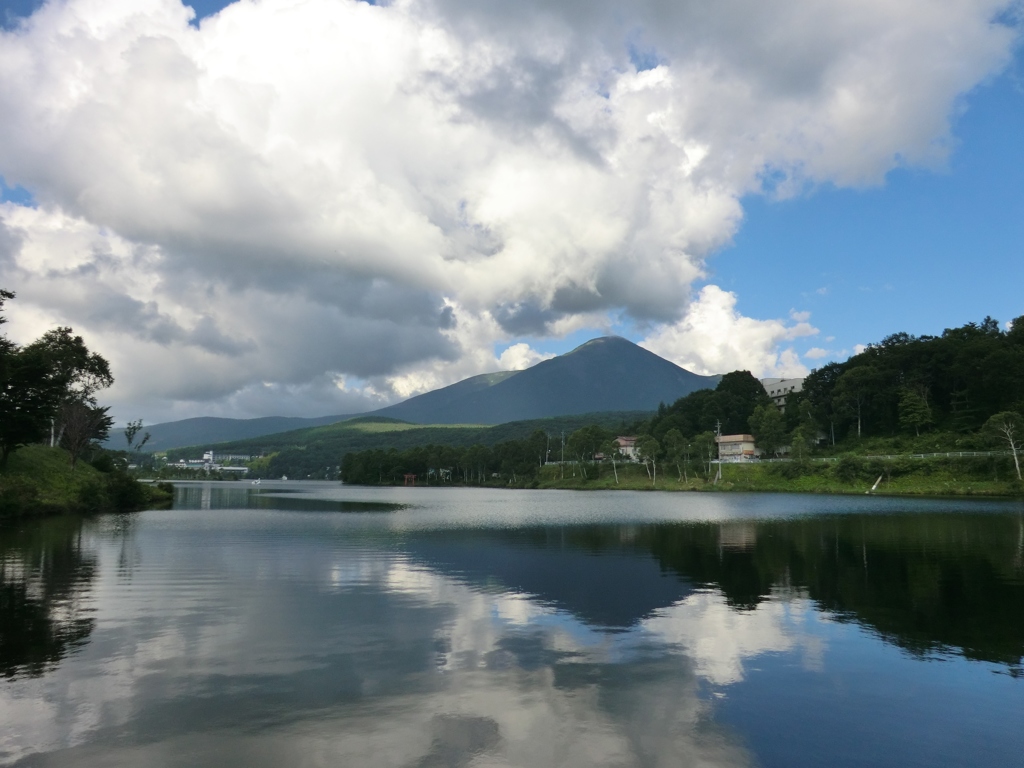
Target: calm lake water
[(320, 625)]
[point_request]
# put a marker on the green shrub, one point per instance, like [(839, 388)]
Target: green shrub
[(849, 469), (791, 470), (92, 497), (125, 492), (104, 463)]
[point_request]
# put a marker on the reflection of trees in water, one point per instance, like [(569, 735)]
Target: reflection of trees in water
[(45, 576), (925, 582), (207, 496), (121, 528), (929, 583)]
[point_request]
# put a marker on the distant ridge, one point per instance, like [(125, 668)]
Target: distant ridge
[(212, 429), (605, 374)]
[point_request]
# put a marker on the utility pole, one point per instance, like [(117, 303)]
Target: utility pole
[(561, 463)]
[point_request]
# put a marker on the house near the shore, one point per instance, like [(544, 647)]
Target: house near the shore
[(627, 447), (736, 448)]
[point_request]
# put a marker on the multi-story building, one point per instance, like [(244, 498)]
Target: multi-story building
[(779, 389)]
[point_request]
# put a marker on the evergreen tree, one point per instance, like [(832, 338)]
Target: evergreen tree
[(915, 412)]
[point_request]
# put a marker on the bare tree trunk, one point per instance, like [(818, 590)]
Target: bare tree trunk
[(616, 471)]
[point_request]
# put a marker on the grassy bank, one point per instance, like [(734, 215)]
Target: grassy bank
[(986, 476), (40, 480)]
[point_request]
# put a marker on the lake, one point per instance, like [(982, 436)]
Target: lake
[(313, 624)]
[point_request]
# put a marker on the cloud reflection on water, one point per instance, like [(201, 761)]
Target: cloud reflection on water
[(352, 656), (257, 637)]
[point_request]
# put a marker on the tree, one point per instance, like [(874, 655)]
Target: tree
[(29, 398), (818, 394), (584, 443), (610, 448), (737, 395), (5, 345), (854, 389), (130, 432), (84, 425), (768, 427), (1016, 333), (648, 449), (915, 412), (1007, 429), (801, 440), (706, 448), (82, 372), (39, 380), (675, 445), (78, 371)]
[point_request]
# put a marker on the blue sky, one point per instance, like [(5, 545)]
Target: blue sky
[(320, 206), (927, 250)]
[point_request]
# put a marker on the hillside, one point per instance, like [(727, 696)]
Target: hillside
[(310, 451), (210, 429), (40, 480), (605, 374)]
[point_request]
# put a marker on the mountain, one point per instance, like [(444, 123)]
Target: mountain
[(207, 430), (605, 374)]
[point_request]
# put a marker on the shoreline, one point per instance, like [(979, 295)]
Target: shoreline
[(923, 480)]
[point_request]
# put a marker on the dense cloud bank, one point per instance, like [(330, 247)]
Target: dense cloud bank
[(307, 206)]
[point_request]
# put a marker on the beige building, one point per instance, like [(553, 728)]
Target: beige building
[(736, 447)]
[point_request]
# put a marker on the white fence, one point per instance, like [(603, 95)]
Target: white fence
[(892, 456)]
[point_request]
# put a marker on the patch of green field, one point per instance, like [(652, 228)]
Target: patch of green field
[(378, 427)]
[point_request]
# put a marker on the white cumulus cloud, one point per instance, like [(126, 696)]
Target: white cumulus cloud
[(345, 202), (713, 337)]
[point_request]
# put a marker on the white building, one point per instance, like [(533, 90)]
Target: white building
[(778, 389), (627, 447)]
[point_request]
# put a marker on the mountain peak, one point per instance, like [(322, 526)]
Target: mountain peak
[(608, 373), (601, 342)]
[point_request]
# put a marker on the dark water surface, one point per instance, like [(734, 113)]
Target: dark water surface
[(320, 625)]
